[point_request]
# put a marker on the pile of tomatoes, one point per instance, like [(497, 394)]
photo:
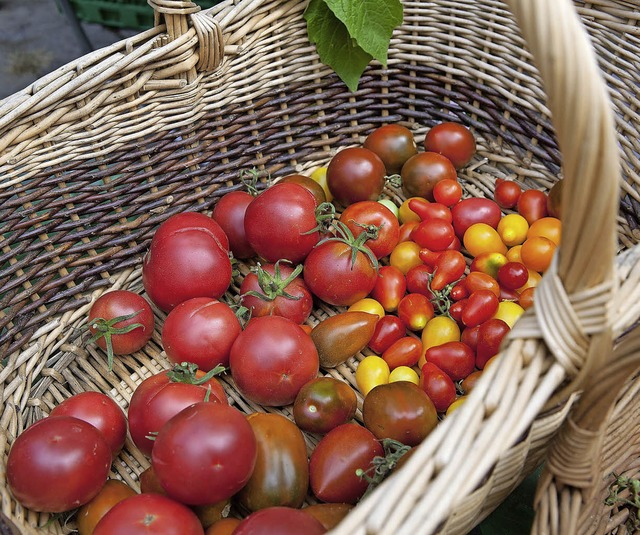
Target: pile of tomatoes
[(418, 297)]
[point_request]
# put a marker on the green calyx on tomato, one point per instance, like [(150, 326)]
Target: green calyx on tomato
[(356, 243), (382, 466), (325, 214), (250, 180), (274, 286), (185, 372), (106, 329)]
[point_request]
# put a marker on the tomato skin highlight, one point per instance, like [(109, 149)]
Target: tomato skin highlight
[(386, 332), (474, 210), (229, 213), (394, 144), (456, 359)]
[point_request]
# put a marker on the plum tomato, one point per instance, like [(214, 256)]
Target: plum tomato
[(57, 464), (482, 238), (480, 306), (356, 174), (403, 352), (200, 330), (474, 210), (272, 359), (453, 140), (415, 310), (101, 411), (455, 358), (438, 386), (335, 459), (368, 305), (379, 220), (547, 227), (229, 214), (507, 193), (394, 144), (537, 253), (210, 445), (281, 521), (324, 403), (399, 411), (427, 210), (490, 336), (389, 288), (113, 492), (386, 332), (423, 171)]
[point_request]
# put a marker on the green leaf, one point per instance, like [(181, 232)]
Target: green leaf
[(369, 22), (335, 46)]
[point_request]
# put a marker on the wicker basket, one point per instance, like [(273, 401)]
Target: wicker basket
[(99, 152)]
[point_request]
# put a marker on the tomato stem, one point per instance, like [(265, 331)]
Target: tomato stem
[(357, 244), (106, 329), (394, 180), (274, 285), (631, 485), (185, 372), (382, 466), (325, 214), (250, 180)]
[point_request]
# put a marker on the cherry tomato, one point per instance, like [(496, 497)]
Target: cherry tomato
[(455, 358), (399, 411), (271, 359), (482, 238), (324, 403), (488, 263), (390, 287), (224, 526), (507, 193), (427, 210), (470, 336), (470, 381), (513, 254), (481, 305), (229, 214), (373, 215), (418, 278), (356, 174), (513, 229), (459, 290), (394, 144), (386, 332), (547, 227), (371, 372), (336, 458), (369, 305), (415, 310), (476, 280), (99, 410), (456, 309), (438, 386), (513, 275), (474, 210), (537, 253), (490, 336), (404, 373), (280, 520), (421, 172), (406, 229), (308, 183), (447, 192), (405, 255), (439, 330), (403, 352), (113, 492), (405, 213), (57, 464), (509, 312), (434, 234), (532, 205), (525, 299), (453, 140), (449, 267)]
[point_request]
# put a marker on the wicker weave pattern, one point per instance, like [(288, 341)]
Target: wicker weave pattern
[(95, 155)]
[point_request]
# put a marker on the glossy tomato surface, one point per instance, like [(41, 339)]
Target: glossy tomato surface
[(453, 140), (394, 144), (355, 174), (324, 403), (372, 214), (229, 214), (280, 521)]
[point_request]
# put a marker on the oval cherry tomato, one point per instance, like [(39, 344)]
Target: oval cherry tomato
[(507, 193), (386, 332), (415, 310), (403, 352), (449, 267), (474, 210), (406, 214), (525, 299), (356, 174), (394, 144), (470, 336), (476, 280), (421, 172), (490, 336), (453, 140), (418, 278), (513, 229), (532, 205), (390, 287), (427, 210), (439, 330), (406, 229), (537, 253), (371, 372), (455, 358), (324, 403), (405, 255), (547, 227), (482, 238), (481, 305), (404, 373), (113, 492), (368, 305), (438, 386), (509, 312), (434, 234)]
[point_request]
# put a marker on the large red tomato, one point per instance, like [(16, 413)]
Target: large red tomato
[(453, 140), (371, 214), (57, 464), (204, 454), (200, 330), (188, 257), (272, 359), (474, 210)]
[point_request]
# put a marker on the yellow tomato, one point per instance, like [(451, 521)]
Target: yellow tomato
[(547, 227), (509, 312), (371, 372), (320, 176), (405, 255), (482, 238), (513, 229), (404, 373), (513, 254), (369, 305), (456, 404), (405, 213), (437, 331)]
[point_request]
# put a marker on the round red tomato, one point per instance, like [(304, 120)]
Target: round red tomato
[(507, 193), (532, 205), (278, 223), (272, 359), (394, 144), (280, 521), (324, 403), (101, 411), (447, 192), (438, 386), (200, 330), (434, 234), (57, 464), (279, 290), (423, 171), (452, 140), (229, 214), (372, 214), (149, 513), (335, 459), (355, 174), (188, 257), (121, 322), (209, 445)]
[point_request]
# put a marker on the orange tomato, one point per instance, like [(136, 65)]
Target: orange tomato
[(405, 255), (537, 253), (547, 227), (525, 299), (482, 238), (223, 527), (513, 254), (113, 492)]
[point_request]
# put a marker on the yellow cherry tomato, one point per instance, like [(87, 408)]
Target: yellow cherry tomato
[(547, 227), (482, 238), (371, 372), (405, 213), (404, 373), (513, 229), (456, 404), (437, 331), (369, 305), (405, 255), (509, 312), (320, 176), (513, 254)]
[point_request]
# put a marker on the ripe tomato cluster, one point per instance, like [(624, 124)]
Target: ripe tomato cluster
[(418, 297)]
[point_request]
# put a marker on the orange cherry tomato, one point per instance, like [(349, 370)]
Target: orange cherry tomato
[(477, 280), (482, 238), (405, 255), (547, 227), (537, 253), (525, 299)]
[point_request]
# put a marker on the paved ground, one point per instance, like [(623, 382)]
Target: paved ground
[(36, 38)]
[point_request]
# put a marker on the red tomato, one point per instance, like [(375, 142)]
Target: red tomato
[(149, 513), (113, 492), (476, 280), (490, 336), (456, 359), (438, 386), (456, 309), (507, 193), (459, 290), (430, 210), (513, 275), (272, 359), (188, 257), (449, 267), (389, 288), (200, 330), (161, 396), (279, 290), (394, 144), (121, 322), (406, 229), (418, 278), (403, 352), (280, 521), (415, 310), (356, 174), (388, 329), (447, 192), (470, 336), (210, 445), (452, 140), (371, 214), (99, 410), (423, 171), (335, 459), (474, 210), (57, 464), (532, 205), (289, 210), (324, 403), (480, 306), (229, 214), (434, 234), (489, 263)]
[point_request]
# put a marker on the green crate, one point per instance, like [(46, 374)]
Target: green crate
[(133, 14)]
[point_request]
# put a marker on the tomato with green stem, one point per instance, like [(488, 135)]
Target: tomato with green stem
[(378, 220), (449, 268)]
